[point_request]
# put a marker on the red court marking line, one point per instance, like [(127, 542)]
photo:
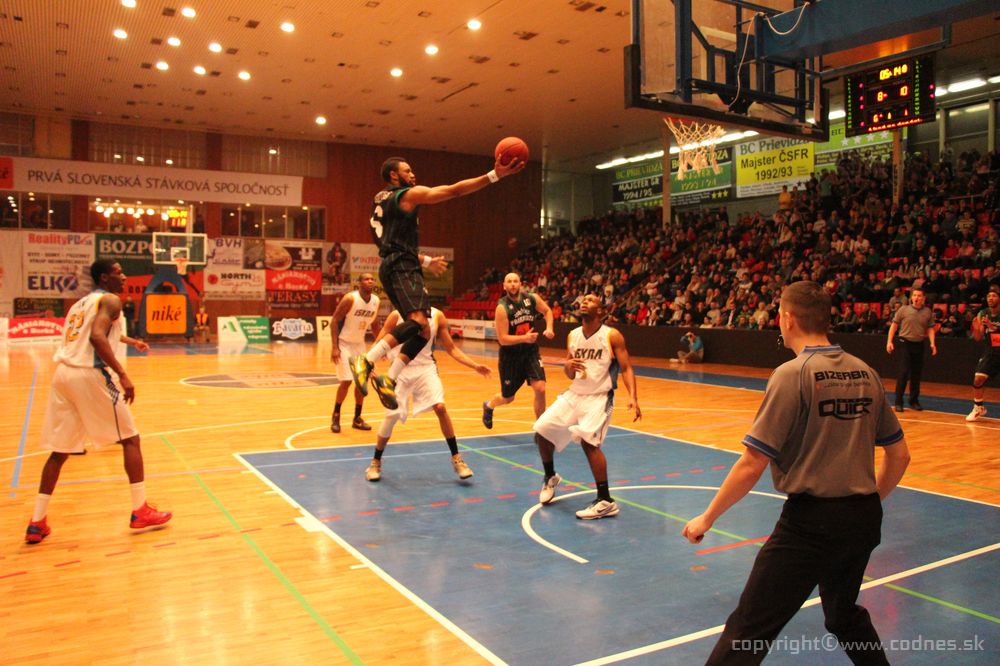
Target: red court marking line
[(440, 503), (472, 499), (291, 524), (251, 529), (695, 471), (209, 536), (164, 545), (11, 575), (534, 492), (66, 564), (507, 496), (368, 513), (673, 474), (327, 519), (404, 508), (732, 545), (715, 467), (647, 478), (120, 552), (623, 481)]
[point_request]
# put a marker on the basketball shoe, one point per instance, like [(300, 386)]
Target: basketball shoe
[(599, 508), (361, 369), (463, 470), (385, 389), (359, 424), (549, 489), (978, 411), (487, 415), (37, 531), (374, 471), (147, 516)]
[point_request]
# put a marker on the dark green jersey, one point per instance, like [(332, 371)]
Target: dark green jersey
[(522, 313), (395, 231)]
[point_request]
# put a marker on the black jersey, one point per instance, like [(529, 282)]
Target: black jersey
[(991, 332), (395, 231), (522, 312)]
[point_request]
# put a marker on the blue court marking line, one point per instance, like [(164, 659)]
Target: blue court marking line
[(436, 615), (272, 567), (24, 432)]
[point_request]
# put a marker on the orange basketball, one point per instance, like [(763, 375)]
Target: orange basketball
[(510, 149)]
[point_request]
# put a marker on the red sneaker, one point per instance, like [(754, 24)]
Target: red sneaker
[(37, 531), (148, 516)]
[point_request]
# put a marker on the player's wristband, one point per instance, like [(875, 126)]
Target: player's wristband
[(492, 175), (426, 263)]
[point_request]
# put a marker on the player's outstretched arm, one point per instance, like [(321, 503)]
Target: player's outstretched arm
[(444, 339), (740, 480), (421, 195)]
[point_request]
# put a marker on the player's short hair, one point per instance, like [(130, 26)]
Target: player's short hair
[(101, 267), (390, 165), (810, 303)]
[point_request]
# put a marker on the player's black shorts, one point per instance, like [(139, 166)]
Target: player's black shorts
[(518, 366), (403, 282), (989, 364)]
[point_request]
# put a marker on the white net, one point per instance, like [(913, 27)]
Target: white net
[(696, 143)]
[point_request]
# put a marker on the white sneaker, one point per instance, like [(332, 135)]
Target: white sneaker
[(598, 509), (549, 489), (463, 470), (374, 471), (977, 411)]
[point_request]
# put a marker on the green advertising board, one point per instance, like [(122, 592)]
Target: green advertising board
[(703, 186), (876, 144)]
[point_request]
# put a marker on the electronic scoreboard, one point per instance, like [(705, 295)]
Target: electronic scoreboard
[(890, 96)]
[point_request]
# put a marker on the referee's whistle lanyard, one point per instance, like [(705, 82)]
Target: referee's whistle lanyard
[(781, 341)]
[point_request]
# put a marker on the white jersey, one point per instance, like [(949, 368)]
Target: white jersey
[(601, 366), (359, 318), (426, 356), (76, 350)]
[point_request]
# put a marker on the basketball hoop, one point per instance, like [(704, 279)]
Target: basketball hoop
[(696, 142), (181, 263)]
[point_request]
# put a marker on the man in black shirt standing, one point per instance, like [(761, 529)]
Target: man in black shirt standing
[(515, 317), (395, 231)]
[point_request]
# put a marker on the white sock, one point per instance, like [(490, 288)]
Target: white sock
[(138, 491), (41, 507), (378, 351), (396, 368)]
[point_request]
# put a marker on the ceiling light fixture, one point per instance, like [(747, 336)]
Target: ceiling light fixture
[(215, 47), (320, 120), (837, 114), (162, 66), (245, 75), (168, 163), (288, 27), (199, 70), (431, 49), (474, 24), (173, 41), (968, 84), (120, 34), (188, 12), (396, 71), (128, 3)]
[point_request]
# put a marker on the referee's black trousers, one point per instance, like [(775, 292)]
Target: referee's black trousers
[(824, 542), (911, 367)]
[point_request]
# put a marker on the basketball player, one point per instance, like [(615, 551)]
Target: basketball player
[(823, 414), (395, 230), (354, 315), (86, 403), (418, 387), (583, 413), (986, 324), (516, 313)]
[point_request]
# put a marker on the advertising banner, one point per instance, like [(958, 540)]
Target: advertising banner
[(294, 273), (29, 174), (166, 314), (336, 268), (234, 284), (705, 186), (363, 258), (293, 329), (10, 271), (876, 144), (764, 166), (35, 329), (56, 263), (439, 287), (225, 253), (132, 251), (638, 183), (241, 329), (39, 307), (293, 300), (474, 329), (323, 328)]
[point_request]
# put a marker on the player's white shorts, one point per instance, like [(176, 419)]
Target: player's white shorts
[(347, 350), (83, 406), (577, 418), (417, 391)]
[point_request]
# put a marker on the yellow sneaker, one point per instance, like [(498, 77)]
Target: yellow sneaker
[(385, 389), (361, 368)]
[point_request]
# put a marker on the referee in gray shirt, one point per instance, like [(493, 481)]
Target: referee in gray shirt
[(823, 414), (915, 323)]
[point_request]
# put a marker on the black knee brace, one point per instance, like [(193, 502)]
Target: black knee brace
[(403, 332), (413, 346)]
